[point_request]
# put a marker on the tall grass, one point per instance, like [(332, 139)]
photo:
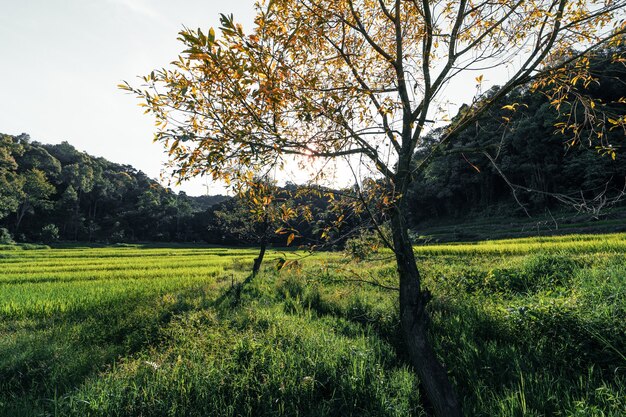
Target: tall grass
[(526, 327)]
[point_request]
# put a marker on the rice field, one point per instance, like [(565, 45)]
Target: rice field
[(571, 244), (531, 326), (66, 281)]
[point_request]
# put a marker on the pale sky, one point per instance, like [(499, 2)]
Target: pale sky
[(61, 61)]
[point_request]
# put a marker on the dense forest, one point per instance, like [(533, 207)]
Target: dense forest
[(515, 161), (55, 192), (510, 163)]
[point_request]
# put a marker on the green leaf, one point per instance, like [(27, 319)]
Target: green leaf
[(211, 36)]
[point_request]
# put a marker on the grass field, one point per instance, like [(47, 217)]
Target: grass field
[(498, 226), (526, 327)]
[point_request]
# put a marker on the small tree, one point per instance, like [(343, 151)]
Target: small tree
[(254, 216), (49, 233), (5, 237), (357, 81)]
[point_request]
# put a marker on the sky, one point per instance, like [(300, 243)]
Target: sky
[(63, 59)]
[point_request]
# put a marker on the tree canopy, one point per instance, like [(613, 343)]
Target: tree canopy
[(330, 79)]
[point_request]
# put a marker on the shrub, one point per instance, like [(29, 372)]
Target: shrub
[(362, 246), (5, 237), (117, 236), (49, 233)]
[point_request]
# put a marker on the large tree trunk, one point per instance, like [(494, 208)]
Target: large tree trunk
[(415, 321)]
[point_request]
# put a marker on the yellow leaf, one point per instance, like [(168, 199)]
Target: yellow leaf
[(290, 239), (479, 79)]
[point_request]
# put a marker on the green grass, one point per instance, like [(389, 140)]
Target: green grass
[(526, 327), (484, 226)]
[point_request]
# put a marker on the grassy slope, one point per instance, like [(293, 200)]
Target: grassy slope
[(526, 327), (499, 226)]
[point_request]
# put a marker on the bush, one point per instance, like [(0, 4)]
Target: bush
[(33, 246), (117, 236), (49, 233), (362, 246), (5, 237)]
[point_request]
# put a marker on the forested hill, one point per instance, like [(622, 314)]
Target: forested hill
[(52, 192), (55, 192), (462, 183)]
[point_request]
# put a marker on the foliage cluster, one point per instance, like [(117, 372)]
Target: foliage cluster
[(363, 245)]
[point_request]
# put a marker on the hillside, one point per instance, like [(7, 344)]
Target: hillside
[(517, 164), (55, 192), (51, 193)]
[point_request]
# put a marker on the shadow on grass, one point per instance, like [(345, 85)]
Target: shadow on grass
[(41, 359)]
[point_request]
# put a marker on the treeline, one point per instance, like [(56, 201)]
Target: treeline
[(516, 146), (231, 222), (55, 192), (509, 163)]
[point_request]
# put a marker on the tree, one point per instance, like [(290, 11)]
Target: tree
[(80, 176), (9, 185), (357, 81), (260, 212), (35, 193), (36, 157)]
